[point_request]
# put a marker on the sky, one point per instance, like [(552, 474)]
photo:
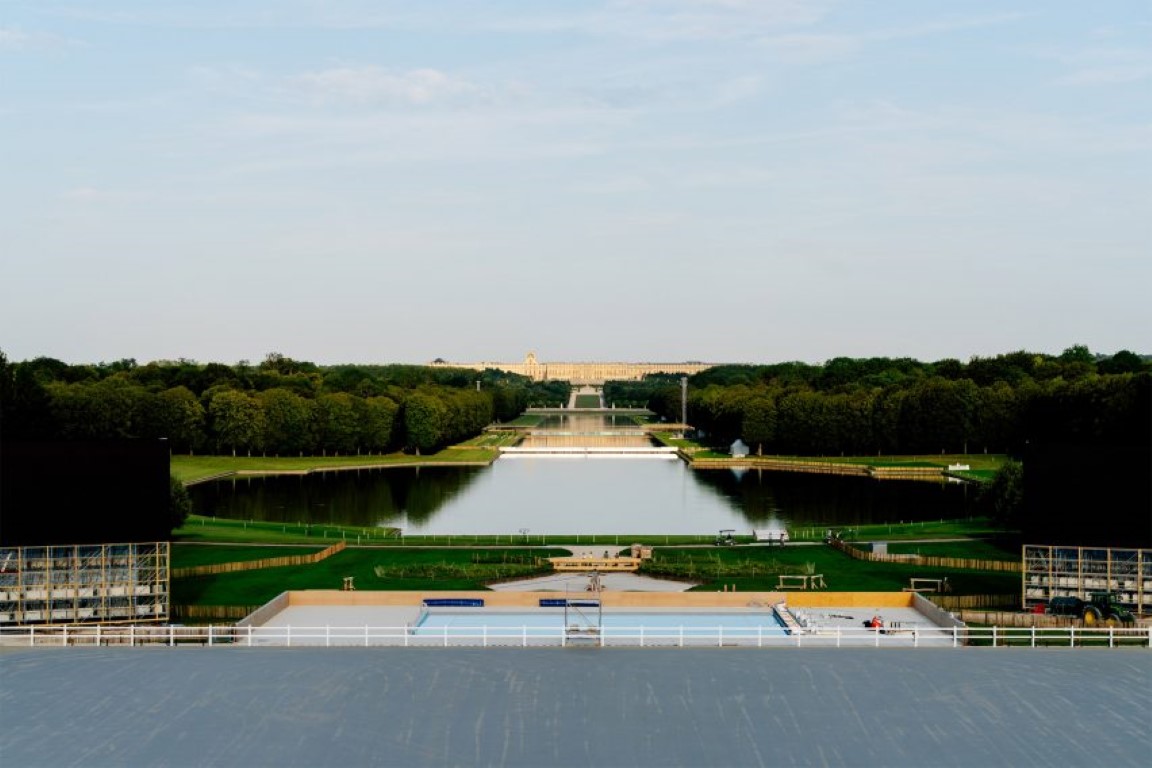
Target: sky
[(367, 181)]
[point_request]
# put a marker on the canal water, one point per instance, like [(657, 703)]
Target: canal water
[(579, 494)]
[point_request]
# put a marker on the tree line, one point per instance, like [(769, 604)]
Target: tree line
[(901, 406), (277, 407)]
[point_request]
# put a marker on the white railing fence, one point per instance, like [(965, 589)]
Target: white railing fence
[(537, 636)]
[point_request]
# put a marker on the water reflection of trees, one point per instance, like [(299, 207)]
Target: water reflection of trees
[(366, 497), (802, 499)]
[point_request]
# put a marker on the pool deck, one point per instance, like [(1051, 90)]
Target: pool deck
[(324, 617)]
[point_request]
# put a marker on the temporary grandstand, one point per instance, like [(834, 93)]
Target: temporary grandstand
[(84, 583), (1064, 571)]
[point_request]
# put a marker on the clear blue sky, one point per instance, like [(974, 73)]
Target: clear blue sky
[(718, 180)]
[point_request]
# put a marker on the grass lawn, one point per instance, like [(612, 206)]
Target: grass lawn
[(403, 569), (587, 401), (524, 420), (192, 468), (215, 529), (757, 568), (493, 439), (189, 555), (979, 549)]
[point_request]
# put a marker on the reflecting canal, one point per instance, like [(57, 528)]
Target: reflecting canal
[(579, 495)]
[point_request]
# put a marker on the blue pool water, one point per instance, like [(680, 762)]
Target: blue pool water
[(550, 624)]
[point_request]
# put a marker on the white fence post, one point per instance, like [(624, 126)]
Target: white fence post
[(209, 635), (66, 634)]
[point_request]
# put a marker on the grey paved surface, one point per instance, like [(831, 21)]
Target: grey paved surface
[(354, 707)]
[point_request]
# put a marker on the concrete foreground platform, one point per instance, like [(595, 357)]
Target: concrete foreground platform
[(574, 707)]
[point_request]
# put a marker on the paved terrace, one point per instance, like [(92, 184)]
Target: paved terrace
[(532, 707)]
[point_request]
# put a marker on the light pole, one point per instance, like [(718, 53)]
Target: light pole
[(683, 405)]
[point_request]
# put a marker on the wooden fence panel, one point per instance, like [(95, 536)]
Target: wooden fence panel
[(932, 561), (254, 565)]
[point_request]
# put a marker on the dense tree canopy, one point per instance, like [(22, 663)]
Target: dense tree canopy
[(890, 406), (278, 407)]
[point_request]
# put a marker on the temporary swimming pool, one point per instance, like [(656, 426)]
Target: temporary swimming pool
[(651, 628)]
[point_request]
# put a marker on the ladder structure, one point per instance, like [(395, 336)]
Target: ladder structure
[(583, 617)]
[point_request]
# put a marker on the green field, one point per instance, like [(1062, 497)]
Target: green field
[(209, 529), (215, 529), (192, 468), (401, 569), (753, 569), (587, 401), (996, 549), (190, 555), (982, 465)]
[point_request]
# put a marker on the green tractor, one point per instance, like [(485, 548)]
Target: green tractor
[(1100, 609)]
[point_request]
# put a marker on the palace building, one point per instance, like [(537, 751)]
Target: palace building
[(581, 373)]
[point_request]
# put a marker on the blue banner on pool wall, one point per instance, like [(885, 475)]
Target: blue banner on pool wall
[(453, 602), (553, 602)]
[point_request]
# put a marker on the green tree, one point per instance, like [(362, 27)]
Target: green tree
[(336, 425), (759, 426), (177, 415), (1003, 498), (287, 421), (179, 503), (377, 422), (237, 421), (423, 421)]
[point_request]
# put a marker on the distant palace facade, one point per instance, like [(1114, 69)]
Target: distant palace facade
[(581, 373)]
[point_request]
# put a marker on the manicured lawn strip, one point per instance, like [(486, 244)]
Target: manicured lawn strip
[(189, 555), (974, 549), (757, 568), (437, 569), (974, 528), (193, 468), (525, 420), (493, 439), (213, 529), (210, 529), (587, 401)]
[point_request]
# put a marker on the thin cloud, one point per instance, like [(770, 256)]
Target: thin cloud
[(375, 85), (1108, 66), (15, 39)]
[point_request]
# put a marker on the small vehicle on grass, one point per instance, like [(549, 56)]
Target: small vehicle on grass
[(726, 538)]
